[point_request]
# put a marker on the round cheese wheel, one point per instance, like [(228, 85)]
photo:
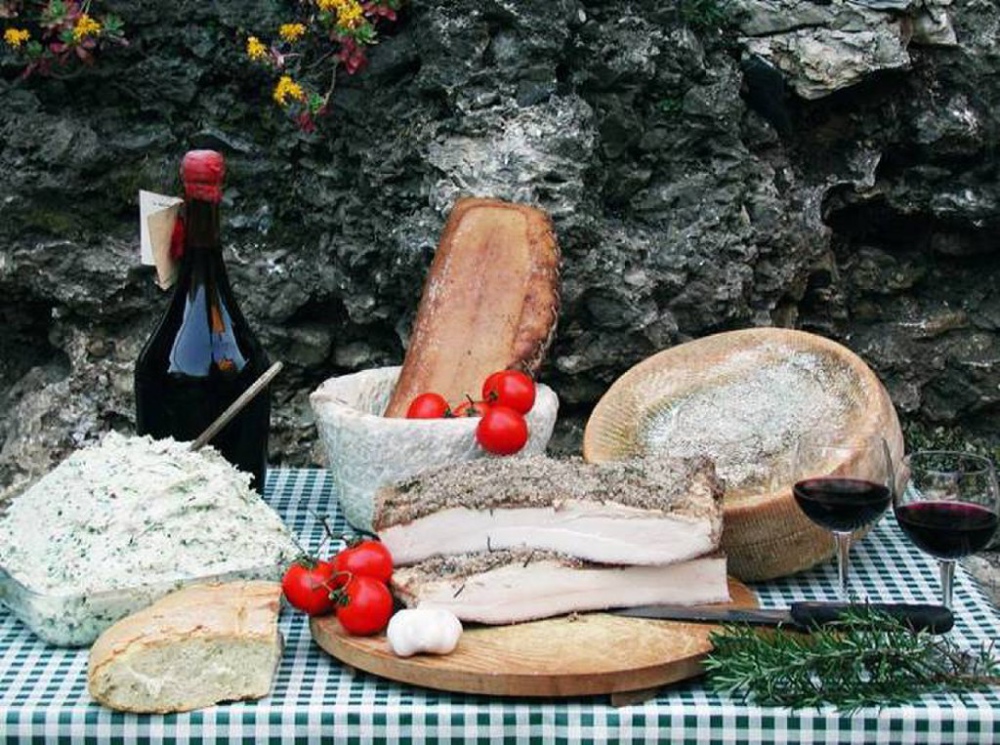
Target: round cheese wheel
[(744, 398)]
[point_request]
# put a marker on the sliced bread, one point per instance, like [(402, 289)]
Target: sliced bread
[(193, 648)]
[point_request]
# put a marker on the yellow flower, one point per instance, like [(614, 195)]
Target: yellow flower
[(291, 31), (350, 14), (255, 48), (85, 26), (329, 5), (15, 37), (287, 88)]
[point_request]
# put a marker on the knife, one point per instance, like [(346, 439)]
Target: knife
[(803, 616)]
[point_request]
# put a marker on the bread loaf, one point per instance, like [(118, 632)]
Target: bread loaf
[(193, 648), (490, 302)]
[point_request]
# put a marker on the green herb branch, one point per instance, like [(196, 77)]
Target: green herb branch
[(868, 659)]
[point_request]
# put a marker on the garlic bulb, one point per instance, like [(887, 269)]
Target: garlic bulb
[(431, 630)]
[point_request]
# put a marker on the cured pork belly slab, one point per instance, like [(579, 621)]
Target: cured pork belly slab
[(512, 586), (649, 511)]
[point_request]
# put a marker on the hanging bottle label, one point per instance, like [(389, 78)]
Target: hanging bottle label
[(157, 216)]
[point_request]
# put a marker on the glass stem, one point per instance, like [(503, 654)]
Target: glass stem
[(947, 567), (843, 562)]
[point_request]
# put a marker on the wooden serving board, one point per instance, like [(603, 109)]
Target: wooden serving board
[(579, 655)]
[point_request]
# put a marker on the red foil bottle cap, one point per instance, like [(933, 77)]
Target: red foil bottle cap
[(202, 172)]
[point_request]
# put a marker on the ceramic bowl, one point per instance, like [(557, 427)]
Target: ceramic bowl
[(365, 450)]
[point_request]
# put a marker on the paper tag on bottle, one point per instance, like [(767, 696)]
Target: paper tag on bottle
[(157, 215)]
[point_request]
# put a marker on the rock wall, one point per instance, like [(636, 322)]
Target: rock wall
[(825, 165)]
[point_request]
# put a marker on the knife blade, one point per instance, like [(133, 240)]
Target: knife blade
[(803, 616)]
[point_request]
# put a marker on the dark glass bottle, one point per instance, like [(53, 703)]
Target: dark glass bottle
[(203, 354)]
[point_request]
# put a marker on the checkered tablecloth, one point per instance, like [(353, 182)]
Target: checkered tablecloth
[(43, 689)]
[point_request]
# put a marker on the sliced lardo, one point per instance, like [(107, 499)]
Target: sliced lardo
[(652, 511), (500, 587)]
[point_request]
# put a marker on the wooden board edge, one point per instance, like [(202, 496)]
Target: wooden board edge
[(371, 655)]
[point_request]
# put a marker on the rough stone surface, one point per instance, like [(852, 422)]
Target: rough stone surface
[(823, 48), (702, 176)]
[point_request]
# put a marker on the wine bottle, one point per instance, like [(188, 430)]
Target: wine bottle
[(203, 354)]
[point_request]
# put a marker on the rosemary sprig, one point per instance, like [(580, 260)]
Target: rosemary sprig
[(868, 659)]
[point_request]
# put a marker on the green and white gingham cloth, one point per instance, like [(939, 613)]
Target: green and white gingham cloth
[(43, 694)]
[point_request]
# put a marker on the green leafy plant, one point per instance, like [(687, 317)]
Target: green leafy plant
[(56, 36), (305, 55), (926, 437), (672, 106), (706, 14), (868, 659)]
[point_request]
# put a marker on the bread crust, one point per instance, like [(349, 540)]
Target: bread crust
[(490, 302), (240, 614)]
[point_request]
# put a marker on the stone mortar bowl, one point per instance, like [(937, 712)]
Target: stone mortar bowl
[(365, 450)]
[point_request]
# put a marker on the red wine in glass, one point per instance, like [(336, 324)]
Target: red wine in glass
[(841, 504), (949, 507), (842, 484), (948, 530)]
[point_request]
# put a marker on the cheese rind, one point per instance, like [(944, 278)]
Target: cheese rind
[(744, 398)]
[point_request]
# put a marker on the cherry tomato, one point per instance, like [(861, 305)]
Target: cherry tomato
[(511, 388), (307, 585), (364, 606), (365, 559), (470, 408), (428, 406), (490, 384), (502, 430)]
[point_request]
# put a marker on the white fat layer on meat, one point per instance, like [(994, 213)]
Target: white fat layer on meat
[(607, 533), (518, 592)]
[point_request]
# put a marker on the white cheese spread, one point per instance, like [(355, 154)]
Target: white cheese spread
[(118, 525)]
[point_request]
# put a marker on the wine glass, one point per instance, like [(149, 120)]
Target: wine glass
[(948, 506), (842, 484)]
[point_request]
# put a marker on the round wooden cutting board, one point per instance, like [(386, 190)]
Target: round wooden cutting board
[(579, 655)]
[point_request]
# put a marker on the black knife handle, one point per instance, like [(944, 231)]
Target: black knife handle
[(933, 618)]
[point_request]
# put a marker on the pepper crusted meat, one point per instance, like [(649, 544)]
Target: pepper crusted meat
[(645, 511)]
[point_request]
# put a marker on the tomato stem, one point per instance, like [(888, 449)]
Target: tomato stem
[(338, 593)]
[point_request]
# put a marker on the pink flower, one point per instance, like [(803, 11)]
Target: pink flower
[(352, 55), (380, 11)]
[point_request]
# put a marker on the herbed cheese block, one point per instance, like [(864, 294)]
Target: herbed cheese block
[(640, 511), (117, 525), (743, 398), (193, 648), (490, 302)]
